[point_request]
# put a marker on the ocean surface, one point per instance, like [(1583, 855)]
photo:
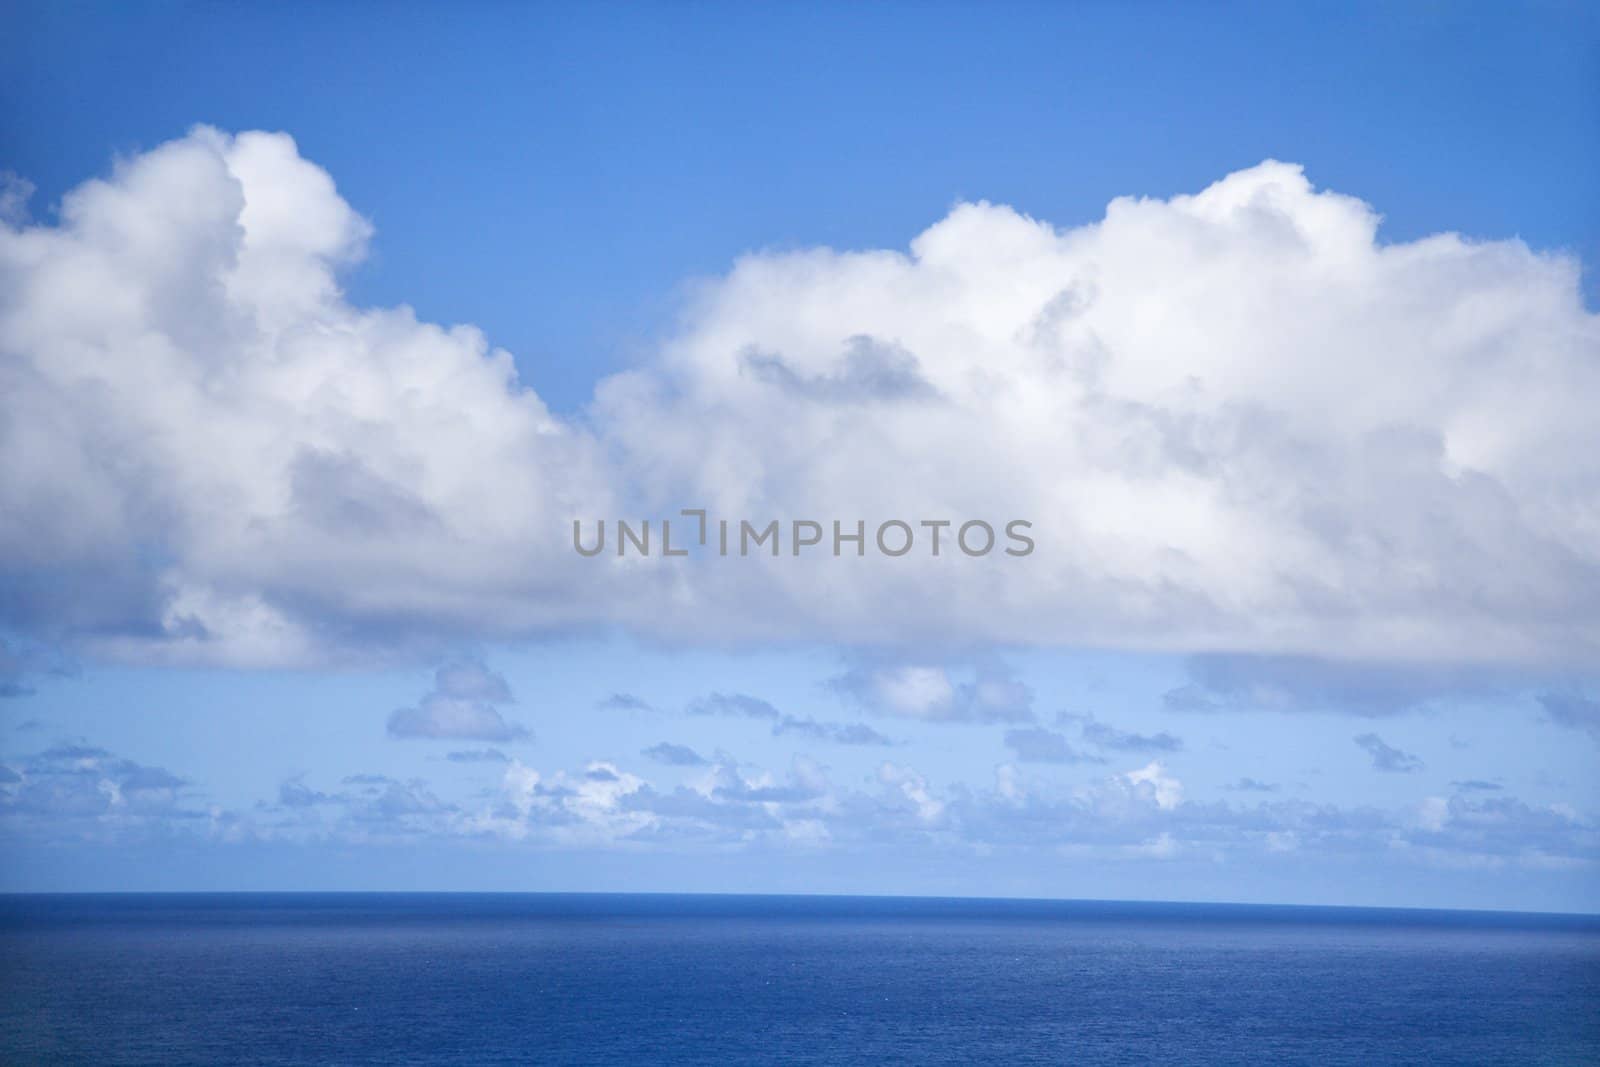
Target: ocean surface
[(641, 979)]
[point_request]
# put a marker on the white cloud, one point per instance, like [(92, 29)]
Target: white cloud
[(914, 787), (230, 462), (460, 707), (75, 792), (1153, 780), (990, 693), (1236, 420)]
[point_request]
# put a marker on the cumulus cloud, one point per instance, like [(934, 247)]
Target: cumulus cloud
[(1238, 421), (231, 462), (1138, 815), (460, 706), (76, 787), (987, 692), (1386, 757)]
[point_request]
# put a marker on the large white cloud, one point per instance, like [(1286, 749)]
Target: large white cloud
[(1237, 421), (206, 453)]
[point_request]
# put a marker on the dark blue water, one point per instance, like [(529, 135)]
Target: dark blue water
[(473, 979)]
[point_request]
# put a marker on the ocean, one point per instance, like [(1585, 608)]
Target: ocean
[(175, 979)]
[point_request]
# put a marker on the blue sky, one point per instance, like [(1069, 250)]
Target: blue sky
[(288, 601)]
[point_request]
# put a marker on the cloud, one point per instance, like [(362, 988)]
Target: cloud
[(1386, 757), (22, 661), (1037, 745), (986, 692), (674, 755), (454, 720), (459, 707), (294, 793), (1252, 785), (741, 705), (839, 733), (240, 466), (478, 755), (1153, 782), (625, 702), (1140, 815), (1237, 420), (370, 807), (1103, 735), (1572, 710), (15, 192), (1220, 682), (737, 705), (71, 783)]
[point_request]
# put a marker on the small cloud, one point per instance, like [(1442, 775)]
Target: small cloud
[(22, 661), (1386, 757), (1252, 785), (744, 706), (1038, 745), (992, 693), (459, 707), (15, 192), (478, 755), (675, 755), (294, 793), (1477, 785), (1572, 710), (1102, 735), (840, 733), (1239, 682), (366, 779), (1153, 781), (624, 702), (738, 705), (454, 720), (471, 680)]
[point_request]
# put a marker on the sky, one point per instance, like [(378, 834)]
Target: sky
[(1277, 329)]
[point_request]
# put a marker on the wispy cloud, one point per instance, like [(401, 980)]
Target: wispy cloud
[(674, 755), (1386, 757)]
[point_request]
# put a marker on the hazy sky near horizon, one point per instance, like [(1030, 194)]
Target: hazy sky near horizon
[(318, 329)]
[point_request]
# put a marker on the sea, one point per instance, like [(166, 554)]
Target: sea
[(483, 979)]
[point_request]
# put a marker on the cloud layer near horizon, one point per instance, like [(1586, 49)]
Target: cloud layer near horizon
[(1237, 421), (1131, 812)]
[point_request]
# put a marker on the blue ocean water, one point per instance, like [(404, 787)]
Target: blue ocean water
[(640, 979)]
